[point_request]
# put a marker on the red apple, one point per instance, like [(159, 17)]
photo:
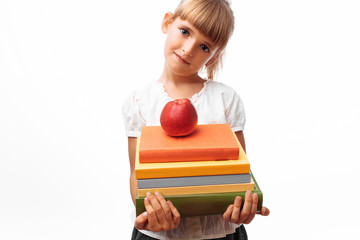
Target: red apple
[(179, 117)]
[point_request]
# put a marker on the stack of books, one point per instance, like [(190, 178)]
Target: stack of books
[(201, 174)]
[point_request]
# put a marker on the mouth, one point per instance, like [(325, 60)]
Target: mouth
[(181, 60)]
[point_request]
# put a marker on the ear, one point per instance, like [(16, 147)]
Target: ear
[(212, 60), (166, 22)]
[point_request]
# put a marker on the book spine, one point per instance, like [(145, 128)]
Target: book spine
[(239, 187), (201, 204), (193, 181), (188, 155), (165, 172)]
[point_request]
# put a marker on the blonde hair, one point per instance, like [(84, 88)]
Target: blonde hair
[(214, 19)]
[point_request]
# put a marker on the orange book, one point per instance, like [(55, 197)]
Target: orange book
[(188, 169), (207, 143)]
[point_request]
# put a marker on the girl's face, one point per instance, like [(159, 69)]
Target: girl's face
[(186, 49)]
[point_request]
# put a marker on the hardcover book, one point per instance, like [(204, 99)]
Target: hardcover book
[(193, 181), (203, 204), (171, 191), (208, 142), (188, 169)]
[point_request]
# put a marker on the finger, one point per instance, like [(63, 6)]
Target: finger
[(251, 216), (151, 214), (236, 211), (247, 207), (165, 207), (175, 214), (228, 212), (264, 211), (157, 208), (141, 221)]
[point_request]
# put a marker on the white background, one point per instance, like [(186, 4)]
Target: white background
[(66, 66)]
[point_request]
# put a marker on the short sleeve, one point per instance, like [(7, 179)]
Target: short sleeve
[(235, 112), (132, 117)]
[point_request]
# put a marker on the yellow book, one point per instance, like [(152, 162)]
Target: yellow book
[(171, 191), (188, 169)]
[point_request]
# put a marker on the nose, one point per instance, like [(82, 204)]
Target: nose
[(188, 47)]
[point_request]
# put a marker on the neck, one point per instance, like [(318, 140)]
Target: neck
[(168, 76)]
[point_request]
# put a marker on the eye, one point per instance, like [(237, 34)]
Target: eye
[(204, 48), (184, 32)]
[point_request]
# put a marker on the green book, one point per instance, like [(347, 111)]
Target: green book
[(203, 204)]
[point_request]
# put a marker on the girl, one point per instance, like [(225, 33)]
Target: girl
[(197, 33)]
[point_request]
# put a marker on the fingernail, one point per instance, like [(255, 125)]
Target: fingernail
[(248, 193), (265, 211), (157, 193), (148, 193), (145, 214), (238, 199), (146, 200)]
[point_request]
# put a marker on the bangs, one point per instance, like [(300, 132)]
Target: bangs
[(213, 18)]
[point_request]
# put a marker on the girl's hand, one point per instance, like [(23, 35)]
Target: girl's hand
[(160, 215), (246, 215)]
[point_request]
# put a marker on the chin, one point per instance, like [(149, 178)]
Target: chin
[(181, 71)]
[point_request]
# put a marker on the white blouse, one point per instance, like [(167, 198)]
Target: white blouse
[(216, 103)]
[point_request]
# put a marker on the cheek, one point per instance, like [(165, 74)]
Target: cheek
[(173, 41), (168, 44), (208, 58), (202, 60)]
